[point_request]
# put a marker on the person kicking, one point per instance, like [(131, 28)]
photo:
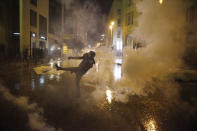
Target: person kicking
[(86, 63)]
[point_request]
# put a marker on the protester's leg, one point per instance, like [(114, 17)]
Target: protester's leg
[(78, 74), (72, 69), (77, 82)]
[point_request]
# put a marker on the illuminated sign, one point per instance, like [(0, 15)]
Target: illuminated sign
[(65, 49)]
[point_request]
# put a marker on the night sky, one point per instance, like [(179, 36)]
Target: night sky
[(105, 5)]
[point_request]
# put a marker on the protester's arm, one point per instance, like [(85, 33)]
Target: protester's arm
[(78, 57), (93, 61)]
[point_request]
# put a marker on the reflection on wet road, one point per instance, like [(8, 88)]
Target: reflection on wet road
[(54, 92), (117, 69), (150, 125), (42, 80), (109, 96)]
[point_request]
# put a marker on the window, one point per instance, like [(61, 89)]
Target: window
[(33, 18), (119, 22), (130, 18), (118, 34), (55, 17), (42, 45), (42, 27), (130, 2), (119, 11), (33, 2), (33, 39), (191, 16)]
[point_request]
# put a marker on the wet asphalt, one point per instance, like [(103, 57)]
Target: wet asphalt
[(63, 110)]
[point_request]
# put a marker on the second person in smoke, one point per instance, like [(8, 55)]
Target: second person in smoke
[(87, 63)]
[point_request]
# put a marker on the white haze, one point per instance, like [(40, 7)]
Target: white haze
[(36, 121), (162, 29), (85, 20)]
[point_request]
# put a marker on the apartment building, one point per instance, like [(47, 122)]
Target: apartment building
[(33, 25), (122, 14)]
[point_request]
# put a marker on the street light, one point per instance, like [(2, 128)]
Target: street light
[(111, 28), (161, 1), (112, 23)]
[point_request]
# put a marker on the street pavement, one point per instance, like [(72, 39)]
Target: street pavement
[(40, 98)]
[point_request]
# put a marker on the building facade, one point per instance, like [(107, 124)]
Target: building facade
[(47, 26), (123, 14), (129, 21), (33, 25), (191, 36)]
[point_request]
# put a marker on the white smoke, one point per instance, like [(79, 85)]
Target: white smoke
[(36, 120), (161, 27), (67, 3)]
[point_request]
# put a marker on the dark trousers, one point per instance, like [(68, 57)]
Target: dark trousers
[(78, 74)]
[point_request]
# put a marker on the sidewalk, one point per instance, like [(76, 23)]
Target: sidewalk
[(18, 64)]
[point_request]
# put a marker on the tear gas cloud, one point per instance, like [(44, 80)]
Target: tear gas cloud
[(36, 120), (67, 3), (161, 27), (83, 20), (101, 74)]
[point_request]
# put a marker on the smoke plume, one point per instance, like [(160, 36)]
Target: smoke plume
[(161, 28), (36, 120)]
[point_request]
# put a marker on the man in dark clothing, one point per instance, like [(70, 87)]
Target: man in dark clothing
[(25, 54), (87, 63)]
